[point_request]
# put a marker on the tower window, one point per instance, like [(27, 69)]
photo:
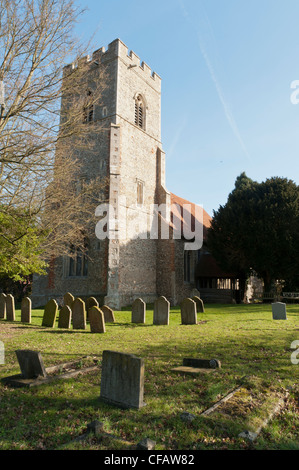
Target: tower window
[(88, 109), (140, 187), (139, 112)]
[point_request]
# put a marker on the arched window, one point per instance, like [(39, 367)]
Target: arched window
[(88, 108), (139, 112)]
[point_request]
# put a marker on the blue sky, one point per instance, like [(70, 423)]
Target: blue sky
[(226, 68)]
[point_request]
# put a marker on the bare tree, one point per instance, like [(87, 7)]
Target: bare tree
[(39, 147)]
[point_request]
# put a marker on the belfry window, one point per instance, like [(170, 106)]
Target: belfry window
[(139, 112), (88, 109)]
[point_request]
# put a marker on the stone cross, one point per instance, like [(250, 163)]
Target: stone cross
[(161, 311)]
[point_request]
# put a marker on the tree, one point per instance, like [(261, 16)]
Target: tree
[(258, 229), (39, 150)]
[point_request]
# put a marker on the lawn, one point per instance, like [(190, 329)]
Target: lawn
[(255, 355)]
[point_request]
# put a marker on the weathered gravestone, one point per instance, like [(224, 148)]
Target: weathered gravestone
[(161, 311), (26, 310), (108, 314), (50, 314), (79, 314), (31, 364), (200, 308), (3, 305), (279, 311), (188, 312), (96, 320), (10, 308), (138, 311), (122, 380), (68, 299), (91, 302), (65, 317)]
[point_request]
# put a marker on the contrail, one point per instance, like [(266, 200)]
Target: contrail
[(227, 111)]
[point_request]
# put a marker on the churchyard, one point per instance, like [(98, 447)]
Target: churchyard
[(228, 380)]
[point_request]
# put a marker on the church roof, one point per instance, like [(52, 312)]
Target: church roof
[(182, 210)]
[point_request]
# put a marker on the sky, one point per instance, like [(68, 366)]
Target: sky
[(227, 69)]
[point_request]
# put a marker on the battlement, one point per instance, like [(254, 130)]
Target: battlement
[(117, 49)]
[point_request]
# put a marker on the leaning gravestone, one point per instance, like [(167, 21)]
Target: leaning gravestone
[(79, 314), (122, 380), (65, 317), (26, 310), (68, 299), (279, 311), (161, 311), (2, 305), (96, 320), (10, 308), (31, 364), (138, 311), (108, 314), (199, 304), (50, 314), (188, 312)]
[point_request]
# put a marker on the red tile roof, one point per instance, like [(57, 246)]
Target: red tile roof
[(197, 213)]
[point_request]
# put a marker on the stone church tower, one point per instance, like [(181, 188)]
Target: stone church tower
[(122, 267)]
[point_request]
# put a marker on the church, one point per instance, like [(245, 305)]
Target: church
[(155, 242)]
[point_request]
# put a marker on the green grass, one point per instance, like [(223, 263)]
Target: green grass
[(254, 352)]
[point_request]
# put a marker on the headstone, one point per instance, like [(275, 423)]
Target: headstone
[(91, 302), (50, 313), (122, 381), (31, 364), (65, 317), (68, 299), (10, 308), (279, 311), (188, 312), (2, 305), (138, 311), (161, 311), (96, 320), (79, 314), (26, 310), (200, 308), (108, 314)]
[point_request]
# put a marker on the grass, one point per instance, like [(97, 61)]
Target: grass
[(255, 353)]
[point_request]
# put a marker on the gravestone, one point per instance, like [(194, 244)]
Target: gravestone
[(68, 299), (138, 311), (122, 380), (2, 305), (161, 311), (79, 314), (10, 308), (65, 317), (188, 312), (26, 310), (279, 311), (108, 314), (50, 313), (96, 320), (91, 302), (31, 364), (200, 308)]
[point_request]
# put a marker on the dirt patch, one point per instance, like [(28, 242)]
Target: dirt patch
[(8, 331)]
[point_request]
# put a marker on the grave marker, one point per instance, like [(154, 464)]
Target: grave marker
[(68, 299), (10, 308), (138, 311), (279, 311), (200, 308), (122, 381), (65, 317), (79, 314), (26, 310), (188, 312), (161, 311), (108, 314), (50, 313), (96, 320), (2, 306), (31, 364)]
